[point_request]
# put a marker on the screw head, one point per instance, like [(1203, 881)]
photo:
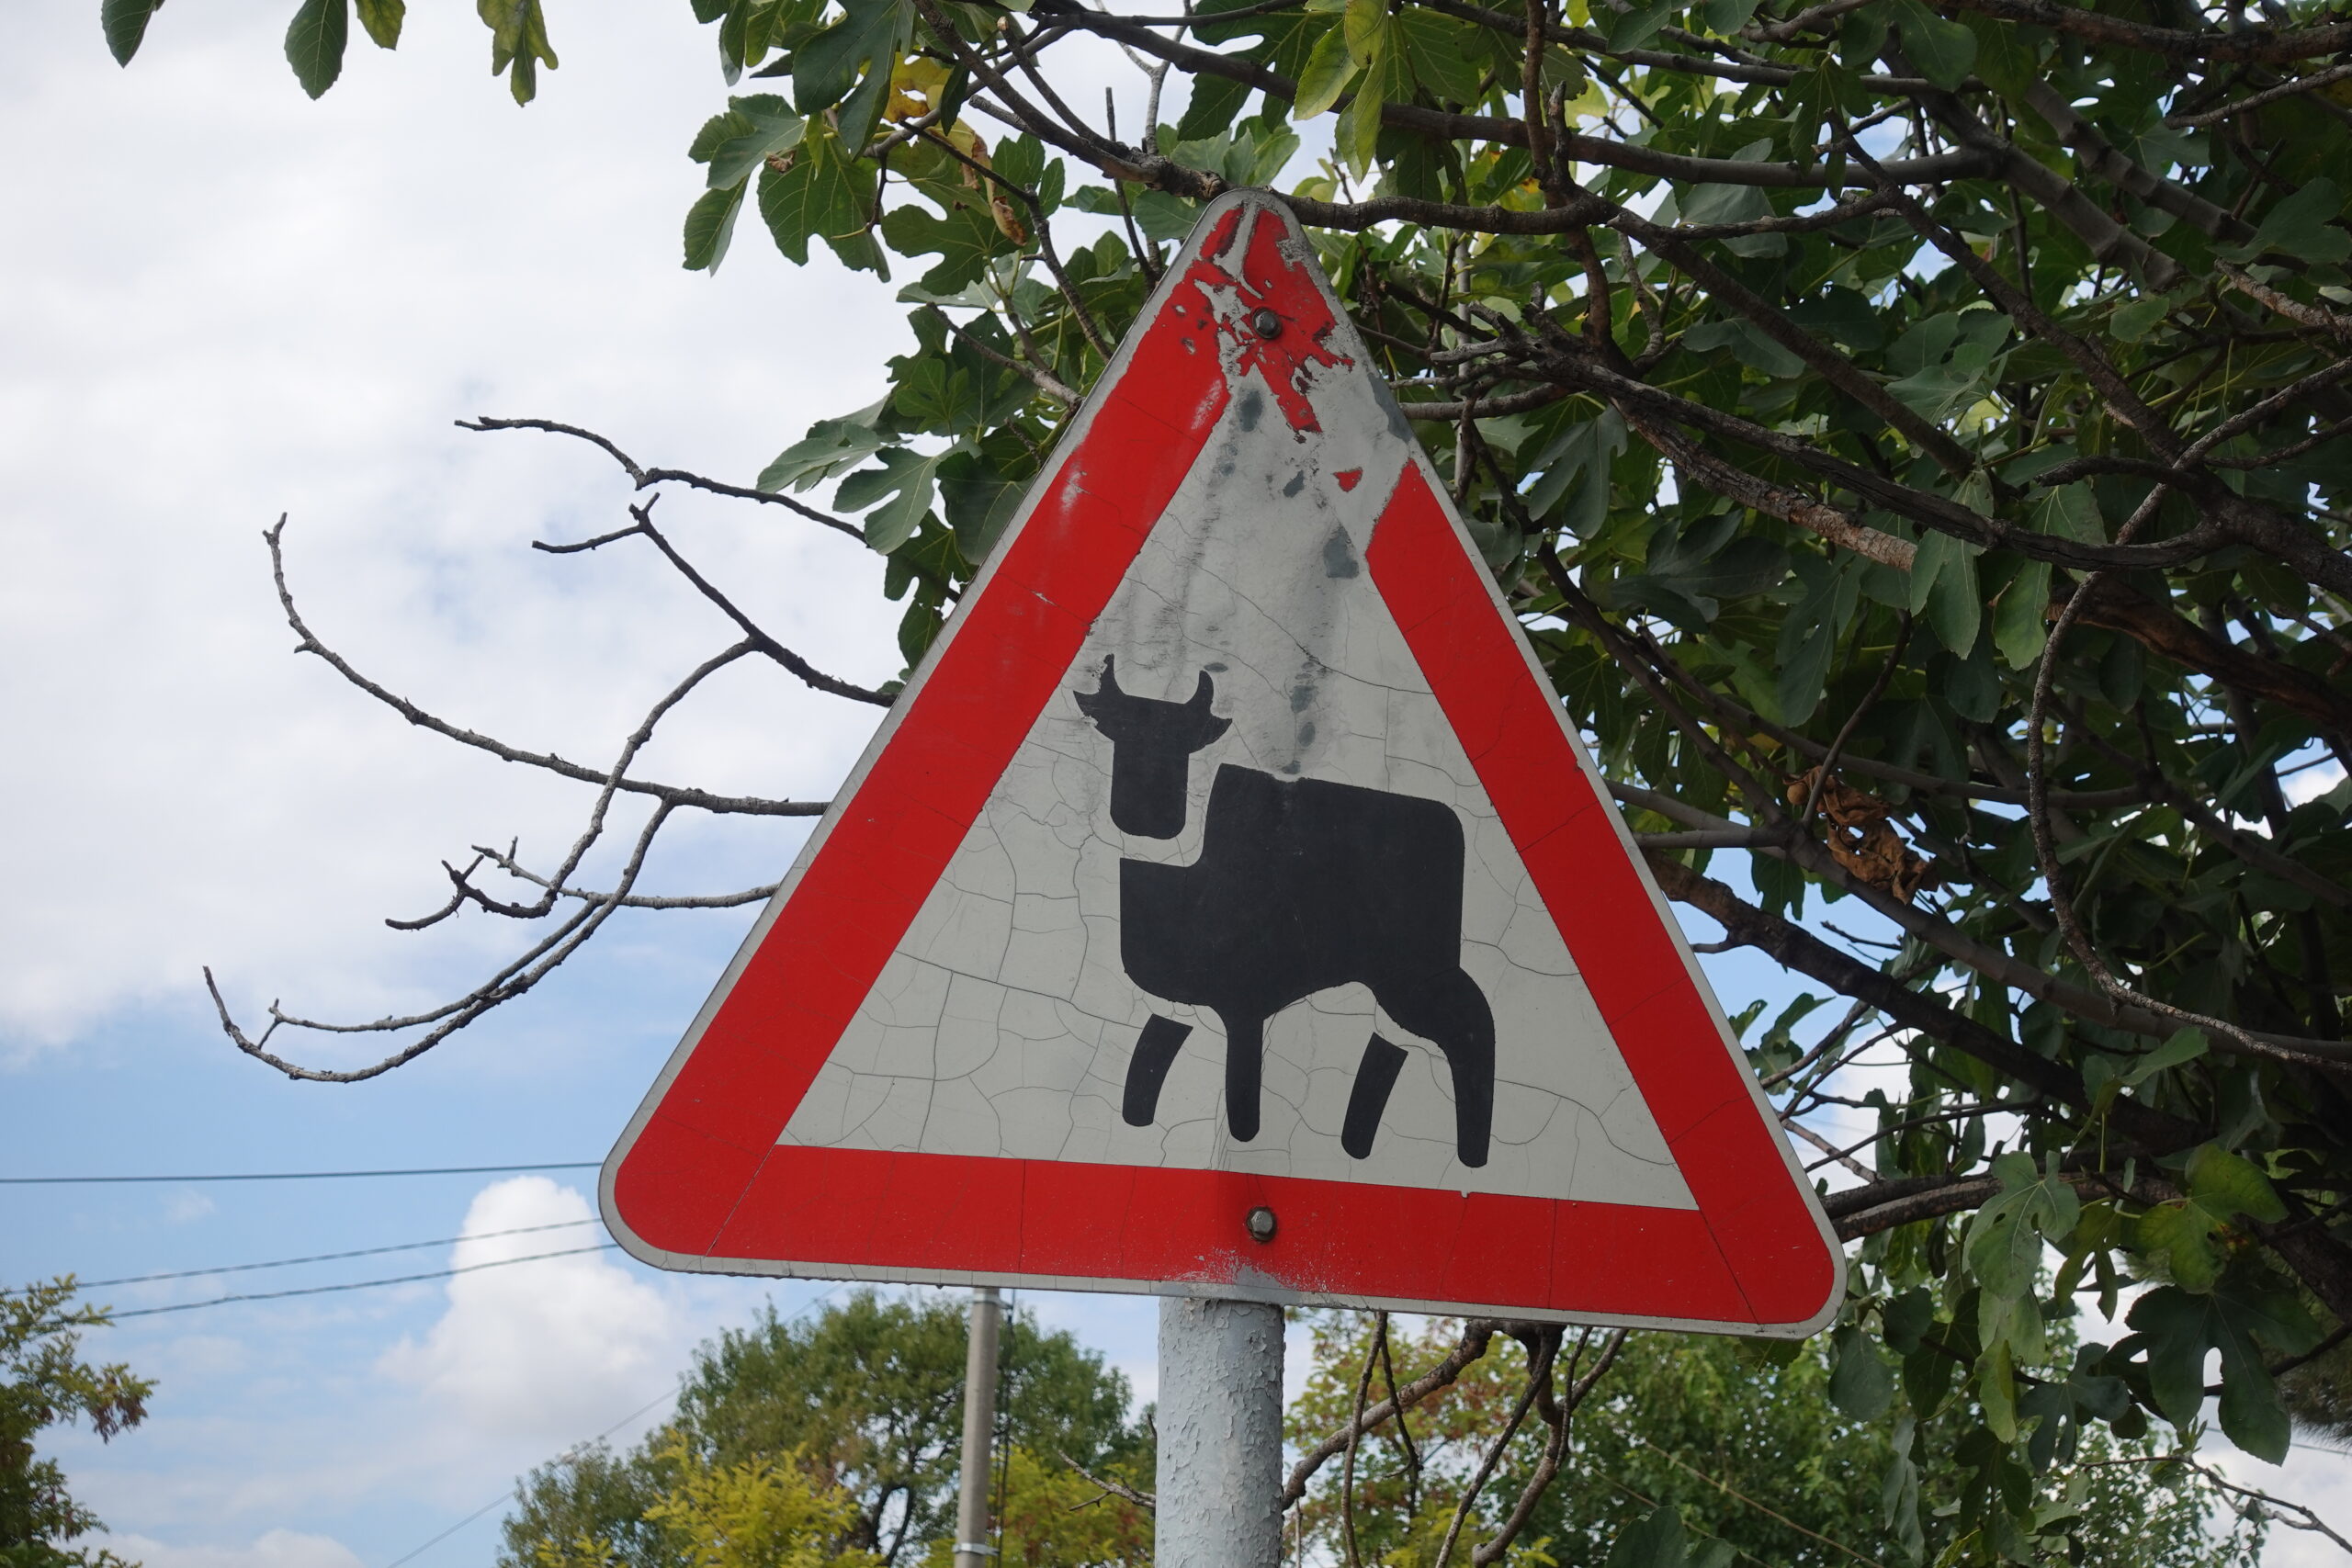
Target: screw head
[(1265, 323), (1261, 1224)]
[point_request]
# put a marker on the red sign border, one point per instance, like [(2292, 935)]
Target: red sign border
[(698, 1182)]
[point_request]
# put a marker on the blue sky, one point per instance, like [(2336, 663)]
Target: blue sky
[(222, 302)]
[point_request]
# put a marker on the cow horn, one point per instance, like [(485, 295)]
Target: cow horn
[(1110, 686), (1203, 693)]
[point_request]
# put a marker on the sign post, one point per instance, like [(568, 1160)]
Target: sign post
[(1220, 1431), (972, 1548), (1227, 910)]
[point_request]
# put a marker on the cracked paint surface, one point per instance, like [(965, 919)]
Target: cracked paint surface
[(934, 1009), (1003, 1022)]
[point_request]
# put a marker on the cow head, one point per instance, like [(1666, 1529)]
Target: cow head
[(1151, 745)]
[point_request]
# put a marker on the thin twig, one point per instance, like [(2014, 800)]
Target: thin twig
[(1477, 1336), (646, 478), (1828, 764), (1355, 1434), (1544, 1348), (2255, 100), (1116, 1488), (1729, 1491), (1042, 379), (669, 794), (832, 685)]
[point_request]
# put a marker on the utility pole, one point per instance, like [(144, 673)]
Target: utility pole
[(972, 1548), (1220, 1423)]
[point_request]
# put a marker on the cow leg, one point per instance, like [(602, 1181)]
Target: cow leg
[(1245, 1055), (1451, 1012), (1148, 1069), (1376, 1077)]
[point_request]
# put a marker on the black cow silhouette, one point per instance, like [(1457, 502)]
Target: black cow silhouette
[(1301, 885)]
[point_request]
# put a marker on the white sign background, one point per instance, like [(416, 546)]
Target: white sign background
[(1003, 1023)]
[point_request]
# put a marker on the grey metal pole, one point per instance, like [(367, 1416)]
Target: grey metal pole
[(1220, 1423), (972, 1548)]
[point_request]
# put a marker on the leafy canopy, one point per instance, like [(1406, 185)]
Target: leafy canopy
[(1914, 435), (838, 1437), (1708, 1451), (767, 1512)]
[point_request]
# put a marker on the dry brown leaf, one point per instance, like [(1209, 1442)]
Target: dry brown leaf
[(1860, 837), (966, 140)]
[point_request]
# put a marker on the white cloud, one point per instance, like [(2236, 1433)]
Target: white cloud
[(324, 1417), (276, 1548), (284, 313), (188, 1205), (549, 1350), (2312, 782)]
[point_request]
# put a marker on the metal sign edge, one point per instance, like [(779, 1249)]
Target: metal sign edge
[(1072, 440)]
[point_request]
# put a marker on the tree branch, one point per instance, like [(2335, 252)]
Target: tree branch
[(668, 794), (646, 478)]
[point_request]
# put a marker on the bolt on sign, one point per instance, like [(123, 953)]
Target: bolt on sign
[(1227, 909)]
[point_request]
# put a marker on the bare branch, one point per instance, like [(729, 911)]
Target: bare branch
[(1044, 380), (645, 478), (2254, 45), (1355, 1434), (668, 794), (1841, 1156), (1543, 1348), (832, 685), (1798, 949), (1144, 1500), (734, 900), (636, 742), (2286, 305), (513, 980), (1477, 1334), (2255, 100), (1724, 1488), (2294, 1515), (1556, 1414)]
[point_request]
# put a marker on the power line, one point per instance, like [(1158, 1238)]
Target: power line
[(492, 1503), (326, 1257), (365, 1284), (670, 1393), (301, 1175)]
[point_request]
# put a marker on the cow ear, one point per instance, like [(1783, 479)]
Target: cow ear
[(1099, 704)]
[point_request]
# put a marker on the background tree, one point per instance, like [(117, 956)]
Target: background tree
[(591, 1502), (1762, 1453), (1051, 1516), (865, 1400), (774, 1511), (44, 1383), (1913, 433)]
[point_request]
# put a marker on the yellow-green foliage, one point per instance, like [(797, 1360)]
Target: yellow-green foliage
[(765, 1512), (770, 1511), (1052, 1517)]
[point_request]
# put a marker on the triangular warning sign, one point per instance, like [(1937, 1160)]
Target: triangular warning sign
[(1227, 908)]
